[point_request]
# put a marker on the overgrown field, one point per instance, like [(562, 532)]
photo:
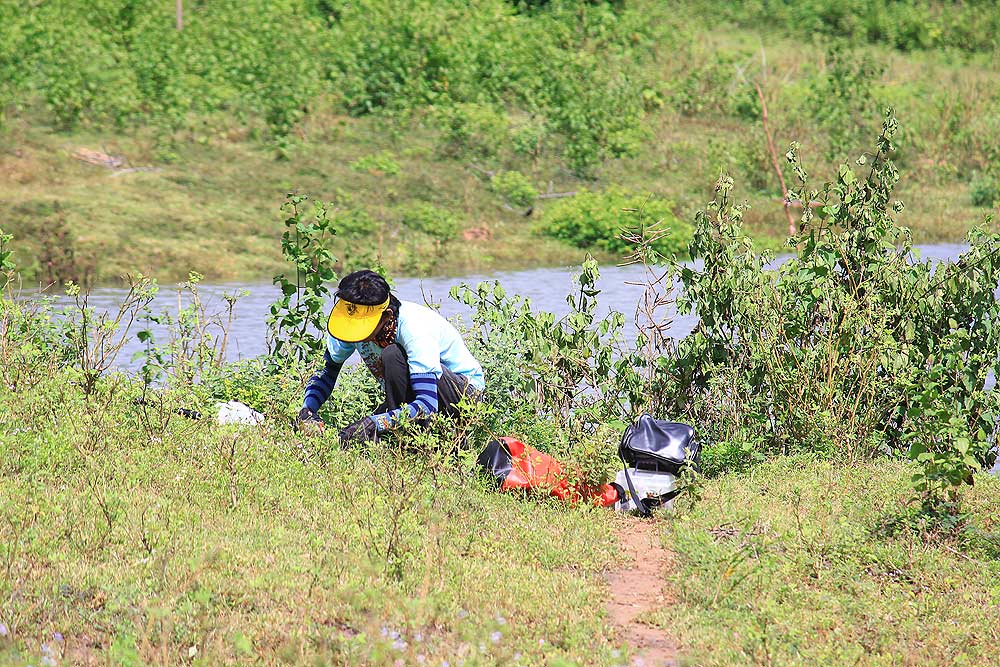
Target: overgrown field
[(443, 129), (806, 562), (130, 542), (133, 536), (841, 512)]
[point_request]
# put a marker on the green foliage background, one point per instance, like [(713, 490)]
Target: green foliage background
[(392, 106), (809, 382)]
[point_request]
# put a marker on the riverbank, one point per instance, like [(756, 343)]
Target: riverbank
[(215, 209), (94, 200)]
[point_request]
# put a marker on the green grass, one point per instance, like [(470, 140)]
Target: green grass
[(140, 543), (799, 562), (130, 535), (214, 207), (202, 544)]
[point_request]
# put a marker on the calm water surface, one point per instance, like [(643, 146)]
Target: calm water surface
[(547, 289)]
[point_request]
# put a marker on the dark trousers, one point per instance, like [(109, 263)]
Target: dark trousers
[(451, 387)]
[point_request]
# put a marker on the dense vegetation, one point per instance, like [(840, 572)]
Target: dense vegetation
[(970, 25), (841, 398), (485, 111)]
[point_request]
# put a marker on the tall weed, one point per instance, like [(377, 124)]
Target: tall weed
[(853, 346)]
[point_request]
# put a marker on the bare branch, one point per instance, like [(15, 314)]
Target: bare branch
[(792, 228)]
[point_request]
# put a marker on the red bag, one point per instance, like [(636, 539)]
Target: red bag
[(519, 466)]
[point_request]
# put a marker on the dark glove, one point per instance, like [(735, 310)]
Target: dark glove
[(359, 432), (309, 419)]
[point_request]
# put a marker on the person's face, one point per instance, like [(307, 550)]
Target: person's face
[(379, 328)]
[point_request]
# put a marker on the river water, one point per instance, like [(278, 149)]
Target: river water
[(546, 288)]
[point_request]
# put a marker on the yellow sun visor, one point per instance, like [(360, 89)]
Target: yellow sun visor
[(353, 322)]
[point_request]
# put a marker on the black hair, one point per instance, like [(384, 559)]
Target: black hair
[(366, 288)]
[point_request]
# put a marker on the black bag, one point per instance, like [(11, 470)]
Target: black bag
[(657, 446), (496, 460)]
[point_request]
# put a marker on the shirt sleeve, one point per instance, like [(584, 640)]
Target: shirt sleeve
[(321, 384), (339, 351), (424, 405)]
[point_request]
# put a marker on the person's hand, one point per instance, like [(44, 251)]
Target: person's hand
[(360, 432), (309, 423)]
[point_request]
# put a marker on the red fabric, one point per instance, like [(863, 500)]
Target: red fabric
[(532, 469)]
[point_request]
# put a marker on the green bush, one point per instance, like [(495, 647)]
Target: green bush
[(134, 66), (378, 163), (910, 25), (515, 188), (398, 54), (473, 130), (597, 220), (985, 190), (849, 347), (707, 85), (528, 138), (842, 101), (428, 219), (572, 67)]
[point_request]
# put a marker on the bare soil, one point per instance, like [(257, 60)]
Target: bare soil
[(638, 589)]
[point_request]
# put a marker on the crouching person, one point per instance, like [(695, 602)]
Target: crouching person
[(416, 355)]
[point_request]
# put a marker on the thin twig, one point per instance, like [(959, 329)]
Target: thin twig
[(556, 195), (792, 229)]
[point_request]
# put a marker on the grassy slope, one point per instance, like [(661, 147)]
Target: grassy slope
[(148, 545), (253, 547), (215, 209), (214, 206), (800, 562)]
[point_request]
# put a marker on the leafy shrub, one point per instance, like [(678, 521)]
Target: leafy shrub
[(397, 55), (33, 342), (12, 49), (569, 67), (428, 219), (528, 138), (916, 24), (254, 57), (597, 113), (80, 79), (297, 317), (472, 129), (378, 163), (571, 370), (705, 85), (424, 236), (259, 384), (515, 188), (746, 157), (841, 100), (7, 264), (985, 190), (849, 346), (597, 220)]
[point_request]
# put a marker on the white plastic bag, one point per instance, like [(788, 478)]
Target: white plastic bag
[(235, 412)]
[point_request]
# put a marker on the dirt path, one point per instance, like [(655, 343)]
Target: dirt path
[(637, 589)]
